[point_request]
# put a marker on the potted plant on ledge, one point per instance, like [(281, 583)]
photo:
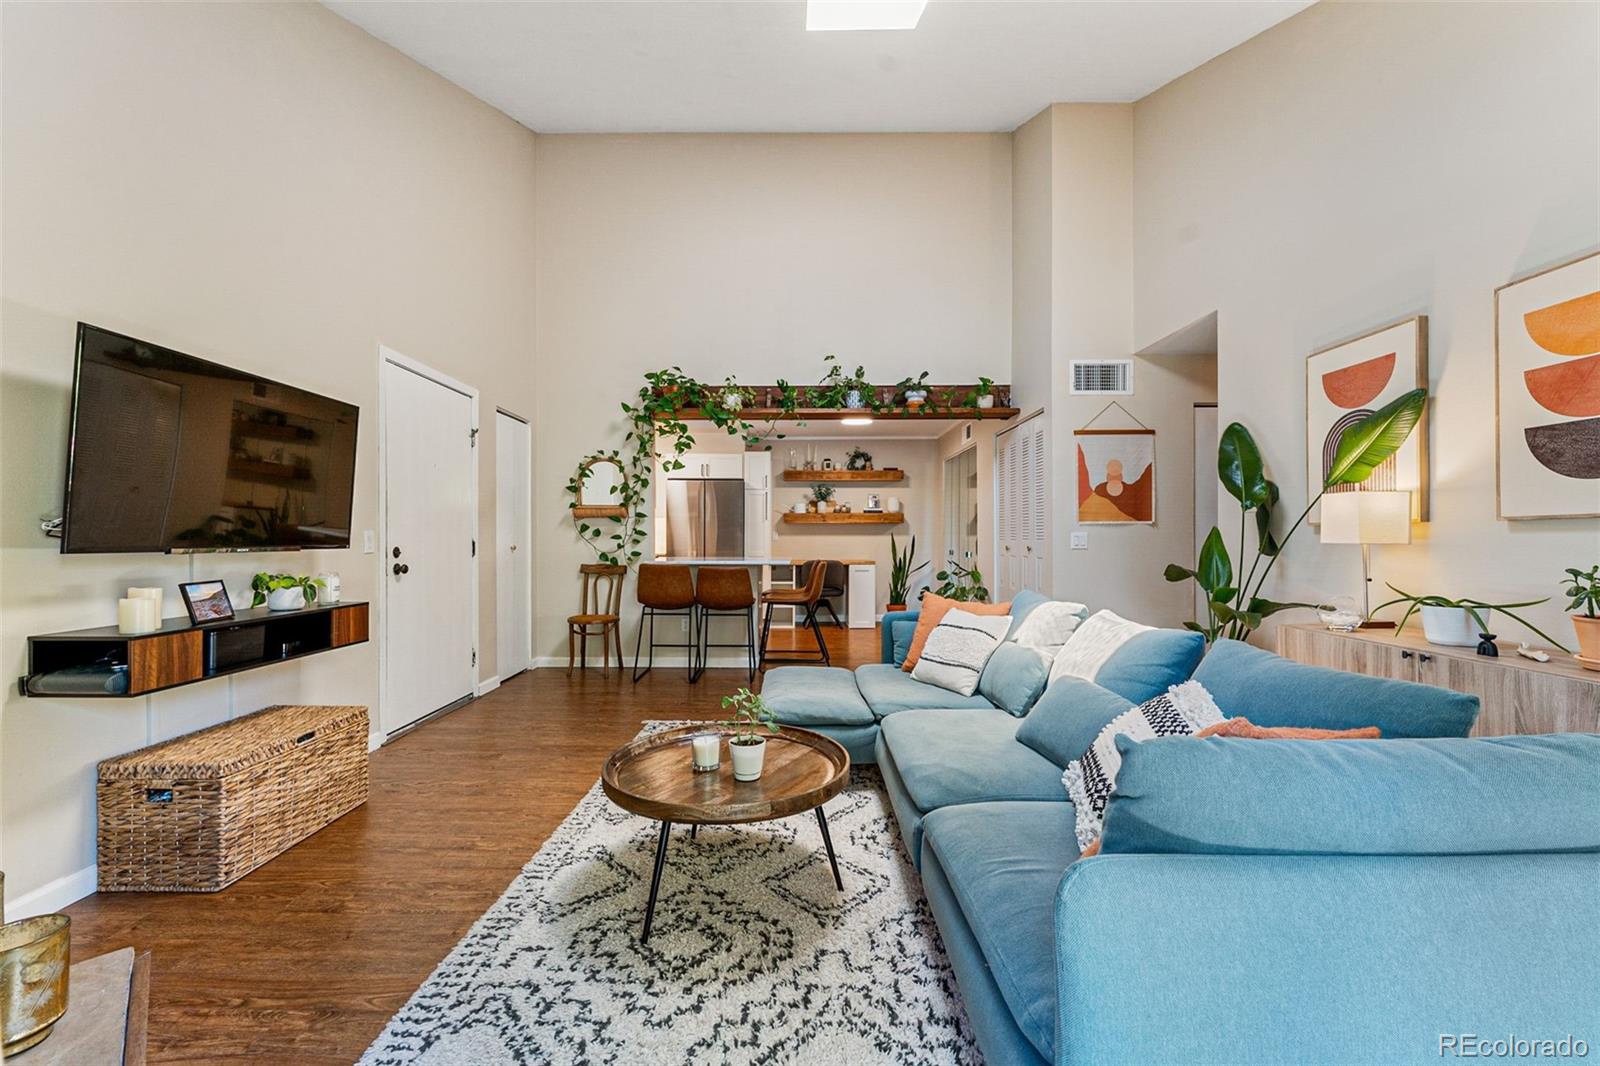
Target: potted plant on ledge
[(750, 715), (283, 592), (1583, 587), (823, 495)]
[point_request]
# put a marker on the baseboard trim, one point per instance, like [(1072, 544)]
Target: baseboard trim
[(47, 899), (488, 684)]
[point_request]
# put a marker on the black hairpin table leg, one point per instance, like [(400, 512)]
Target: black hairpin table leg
[(655, 878), (693, 829), (827, 842)]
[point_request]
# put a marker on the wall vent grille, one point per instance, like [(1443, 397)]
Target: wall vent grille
[(1109, 377)]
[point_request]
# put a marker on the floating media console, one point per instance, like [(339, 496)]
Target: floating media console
[(101, 663)]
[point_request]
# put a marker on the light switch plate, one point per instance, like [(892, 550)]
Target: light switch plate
[(368, 545), (1080, 542)]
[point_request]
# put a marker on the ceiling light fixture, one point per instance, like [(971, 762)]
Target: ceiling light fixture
[(863, 14), (855, 421)]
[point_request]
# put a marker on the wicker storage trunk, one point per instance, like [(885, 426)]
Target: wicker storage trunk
[(198, 812)]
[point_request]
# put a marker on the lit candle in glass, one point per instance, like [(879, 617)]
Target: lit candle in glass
[(707, 752)]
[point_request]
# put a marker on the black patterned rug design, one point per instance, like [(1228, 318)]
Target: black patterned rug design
[(755, 956)]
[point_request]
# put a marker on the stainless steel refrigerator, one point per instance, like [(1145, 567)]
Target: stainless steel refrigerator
[(705, 518)]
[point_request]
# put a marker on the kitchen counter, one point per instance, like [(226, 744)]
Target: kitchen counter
[(757, 562)]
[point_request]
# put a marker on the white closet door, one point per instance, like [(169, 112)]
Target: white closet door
[(1006, 552), (1036, 537)]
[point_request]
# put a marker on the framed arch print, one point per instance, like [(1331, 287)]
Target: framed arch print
[(1348, 381), (1547, 393)]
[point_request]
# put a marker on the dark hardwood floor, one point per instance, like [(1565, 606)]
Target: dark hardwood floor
[(304, 960)]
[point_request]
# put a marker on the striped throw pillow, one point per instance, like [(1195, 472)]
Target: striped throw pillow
[(958, 647)]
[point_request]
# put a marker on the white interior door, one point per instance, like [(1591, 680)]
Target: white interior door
[(513, 553), (1008, 548), (430, 507)]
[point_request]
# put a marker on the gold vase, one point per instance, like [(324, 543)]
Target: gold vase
[(34, 958)]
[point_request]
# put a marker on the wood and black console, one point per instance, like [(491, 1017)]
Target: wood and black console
[(103, 663)]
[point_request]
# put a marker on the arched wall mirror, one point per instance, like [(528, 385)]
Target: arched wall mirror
[(600, 479)]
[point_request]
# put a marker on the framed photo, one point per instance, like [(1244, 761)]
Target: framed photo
[(207, 601), (1350, 380), (1547, 393), (1116, 476)]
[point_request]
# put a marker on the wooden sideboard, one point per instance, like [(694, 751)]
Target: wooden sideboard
[(1518, 695)]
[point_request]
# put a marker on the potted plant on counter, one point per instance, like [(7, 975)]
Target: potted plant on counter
[(283, 592), (1583, 588), (1458, 623), (900, 570), (749, 716)]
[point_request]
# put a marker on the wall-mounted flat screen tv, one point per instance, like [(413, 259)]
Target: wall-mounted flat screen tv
[(169, 453)]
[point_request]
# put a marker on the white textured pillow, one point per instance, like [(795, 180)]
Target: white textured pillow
[(1180, 711), (1091, 644), (958, 647), (1049, 625)]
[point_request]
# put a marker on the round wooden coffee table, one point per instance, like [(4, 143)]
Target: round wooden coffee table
[(653, 776)]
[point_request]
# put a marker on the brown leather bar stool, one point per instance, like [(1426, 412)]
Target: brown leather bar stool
[(832, 586), (804, 598), (665, 589), (724, 591)]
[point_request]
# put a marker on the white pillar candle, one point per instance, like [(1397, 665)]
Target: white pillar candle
[(152, 594), (707, 752), (133, 615)]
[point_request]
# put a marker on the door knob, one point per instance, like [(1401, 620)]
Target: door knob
[(397, 553), (401, 568), (513, 547)]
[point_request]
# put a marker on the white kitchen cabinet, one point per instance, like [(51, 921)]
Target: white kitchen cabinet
[(709, 464), (757, 472), (862, 596)]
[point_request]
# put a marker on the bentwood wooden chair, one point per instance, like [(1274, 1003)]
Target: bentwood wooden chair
[(599, 614), (804, 599)]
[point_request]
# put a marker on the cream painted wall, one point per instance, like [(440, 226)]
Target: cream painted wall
[(1074, 299), (1355, 165), (752, 255), (267, 186), (919, 496)]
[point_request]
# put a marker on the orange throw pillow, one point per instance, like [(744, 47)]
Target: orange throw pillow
[(934, 608), (1244, 727)]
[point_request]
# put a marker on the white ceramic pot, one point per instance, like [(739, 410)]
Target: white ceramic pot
[(747, 759), (1452, 627), (986, 402), (286, 599)]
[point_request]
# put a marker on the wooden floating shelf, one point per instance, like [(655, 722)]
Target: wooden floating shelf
[(834, 414), (853, 518), (887, 474)]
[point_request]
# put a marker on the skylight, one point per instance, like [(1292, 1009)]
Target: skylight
[(863, 14)]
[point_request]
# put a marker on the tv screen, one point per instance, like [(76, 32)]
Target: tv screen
[(172, 453)]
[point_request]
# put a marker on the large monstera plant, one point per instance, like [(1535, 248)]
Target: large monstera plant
[(1235, 607)]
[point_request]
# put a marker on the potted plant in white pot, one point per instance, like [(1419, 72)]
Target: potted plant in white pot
[(1583, 588), (823, 494), (750, 715), (1459, 623), (984, 393), (283, 592)]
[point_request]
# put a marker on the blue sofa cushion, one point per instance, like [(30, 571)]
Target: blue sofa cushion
[(886, 632), (1067, 718), (901, 630), (889, 690), (1022, 605), (1272, 691), (973, 757), (1003, 861), (1150, 663), (1014, 678), (1357, 797), (815, 695)]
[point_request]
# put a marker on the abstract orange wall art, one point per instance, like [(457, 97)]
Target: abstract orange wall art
[(1116, 476)]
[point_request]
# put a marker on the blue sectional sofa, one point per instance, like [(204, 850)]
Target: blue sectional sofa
[(1254, 901)]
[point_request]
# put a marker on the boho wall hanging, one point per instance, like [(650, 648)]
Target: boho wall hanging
[(1116, 473), (1547, 393), (1347, 382)]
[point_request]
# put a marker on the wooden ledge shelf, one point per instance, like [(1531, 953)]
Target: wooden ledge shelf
[(886, 474), (854, 518), (834, 414), (181, 654)]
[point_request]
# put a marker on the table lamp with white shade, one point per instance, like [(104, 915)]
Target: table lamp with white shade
[(1367, 518)]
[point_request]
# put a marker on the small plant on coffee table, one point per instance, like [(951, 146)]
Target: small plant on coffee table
[(748, 716)]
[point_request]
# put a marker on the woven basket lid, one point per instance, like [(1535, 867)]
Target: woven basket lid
[(228, 747)]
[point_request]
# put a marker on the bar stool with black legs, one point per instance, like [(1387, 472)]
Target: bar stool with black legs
[(801, 599), (724, 592), (832, 587), (665, 589)]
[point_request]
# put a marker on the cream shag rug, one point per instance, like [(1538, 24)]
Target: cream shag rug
[(755, 956)]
